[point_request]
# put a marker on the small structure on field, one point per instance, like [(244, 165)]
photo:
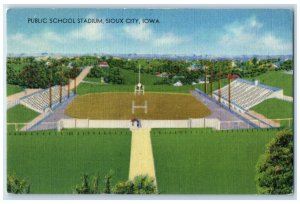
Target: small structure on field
[(145, 107), (139, 88)]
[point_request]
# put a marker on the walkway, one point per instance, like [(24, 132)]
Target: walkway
[(79, 78), (228, 119), (50, 120), (141, 157)]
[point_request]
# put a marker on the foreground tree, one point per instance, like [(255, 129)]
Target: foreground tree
[(16, 185), (140, 185), (274, 170), (87, 187)]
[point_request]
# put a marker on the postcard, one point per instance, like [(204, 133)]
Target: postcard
[(180, 101)]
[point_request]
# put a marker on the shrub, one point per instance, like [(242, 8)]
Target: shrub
[(16, 185), (140, 185), (274, 170)]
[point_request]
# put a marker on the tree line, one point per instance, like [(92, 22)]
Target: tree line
[(36, 73)]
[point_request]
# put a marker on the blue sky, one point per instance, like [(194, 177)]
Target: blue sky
[(180, 31)]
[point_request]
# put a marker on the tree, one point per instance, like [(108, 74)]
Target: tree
[(34, 75), (87, 187), (17, 186), (124, 187), (274, 170), (107, 183), (140, 185)]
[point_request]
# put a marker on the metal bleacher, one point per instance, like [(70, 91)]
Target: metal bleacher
[(39, 101), (246, 94)]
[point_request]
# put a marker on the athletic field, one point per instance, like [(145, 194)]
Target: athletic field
[(53, 162), (119, 106), (202, 161)]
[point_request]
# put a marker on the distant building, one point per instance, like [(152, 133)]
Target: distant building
[(48, 63), (103, 64), (276, 64), (233, 76), (196, 67), (70, 65), (178, 83), (162, 75), (202, 81)]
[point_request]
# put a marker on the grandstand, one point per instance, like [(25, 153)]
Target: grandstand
[(245, 94), (39, 101)]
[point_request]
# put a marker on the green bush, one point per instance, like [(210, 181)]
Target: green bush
[(16, 185), (274, 170), (139, 185)]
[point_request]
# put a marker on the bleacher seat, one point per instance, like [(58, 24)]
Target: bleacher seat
[(39, 101), (246, 94)]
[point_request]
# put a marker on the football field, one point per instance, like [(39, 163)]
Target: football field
[(119, 106)]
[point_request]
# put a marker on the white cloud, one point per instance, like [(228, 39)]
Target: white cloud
[(52, 36), (19, 43), (139, 32), (168, 39), (90, 32), (144, 33), (248, 38)]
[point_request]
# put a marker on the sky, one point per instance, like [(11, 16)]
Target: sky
[(216, 32)]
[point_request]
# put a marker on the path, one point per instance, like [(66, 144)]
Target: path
[(50, 120), (141, 157), (228, 119), (79, 78)]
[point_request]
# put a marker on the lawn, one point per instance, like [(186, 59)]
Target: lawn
[(275, 108), (202, 161), (53, 162), (85, 88), (278, 79), (19, 114), (131, 78), (119, 106), (13, 89)]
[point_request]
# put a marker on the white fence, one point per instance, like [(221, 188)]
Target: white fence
[(190, 123)]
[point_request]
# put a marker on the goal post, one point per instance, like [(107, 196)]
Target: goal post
[(145, 107)]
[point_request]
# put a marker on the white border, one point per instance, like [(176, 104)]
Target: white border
[(139, 4)]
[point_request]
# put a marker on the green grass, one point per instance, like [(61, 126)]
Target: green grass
[(19, 114), (275, 108), (278, 79), (85, 88), (53, 162), (131, 78), (13, 89), (202, 161)]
